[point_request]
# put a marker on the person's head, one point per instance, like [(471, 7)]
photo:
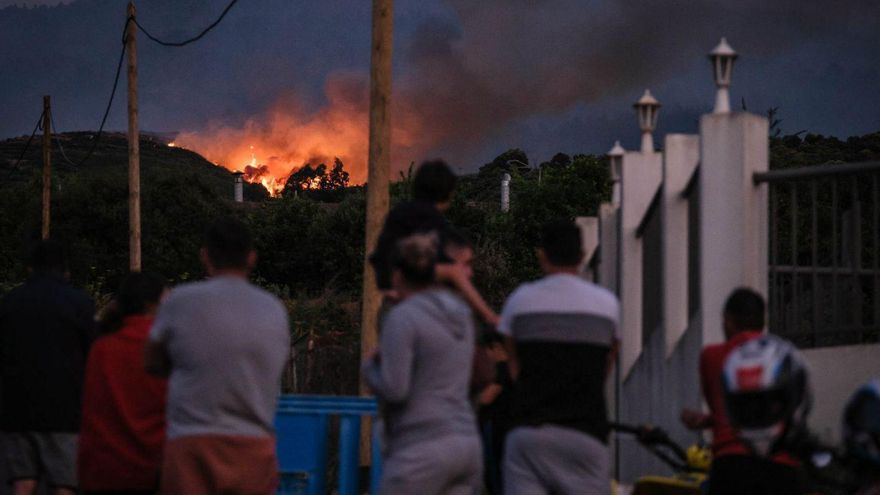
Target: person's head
[(413, 263), (743, 311), (228, 248), (460, 250), (139, 294), (560, 249), (434, 182), (48, 256)]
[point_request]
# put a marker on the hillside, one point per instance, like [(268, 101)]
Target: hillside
[(110, 158), (180, 193)]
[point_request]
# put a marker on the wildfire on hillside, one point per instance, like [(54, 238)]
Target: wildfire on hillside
[(268, 148)]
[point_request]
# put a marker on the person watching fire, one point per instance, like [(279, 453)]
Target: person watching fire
[(432, 190)]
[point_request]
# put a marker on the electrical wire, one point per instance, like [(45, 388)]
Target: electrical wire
[(116, 84), (58, 141), (194, 38), (27, 145), (112, 95)]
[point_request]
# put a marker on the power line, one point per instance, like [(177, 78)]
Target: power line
[(112, 95), (58, 141), (194, 38), (27, 145)]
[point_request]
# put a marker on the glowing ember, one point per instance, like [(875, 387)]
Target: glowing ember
[(172, 145)]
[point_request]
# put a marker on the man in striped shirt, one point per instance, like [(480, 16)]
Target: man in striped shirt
[(562, 332)]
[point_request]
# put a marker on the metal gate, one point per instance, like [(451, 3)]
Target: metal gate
[(824, 287)]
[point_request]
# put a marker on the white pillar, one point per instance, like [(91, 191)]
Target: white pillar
[(681, 155), (589, 242), (505, 193), (642, 174), (239, 187), (722, 100), (608, 237), (733, 212), (647, 142)]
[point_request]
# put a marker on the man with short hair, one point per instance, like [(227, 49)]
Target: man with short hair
[(562, 335), (735, 470), (46, 327), (224, 343)]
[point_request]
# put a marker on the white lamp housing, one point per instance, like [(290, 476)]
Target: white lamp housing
[(722, 58), (648, 108), (615, 158), (239, 187)]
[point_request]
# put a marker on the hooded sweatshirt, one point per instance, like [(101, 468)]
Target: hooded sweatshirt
[(422, 371)]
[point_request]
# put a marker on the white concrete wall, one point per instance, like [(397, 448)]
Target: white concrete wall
[(608, 230), (835, 373), (589, 241), (642, 174), (681, 156), (733, 212)]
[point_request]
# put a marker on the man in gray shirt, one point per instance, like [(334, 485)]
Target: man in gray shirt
[(224, 343)]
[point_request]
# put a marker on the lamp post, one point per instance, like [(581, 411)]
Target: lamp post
[(505, 193), (525, 165), (722, 58), (615, 157), (239, 186), (647, 107)]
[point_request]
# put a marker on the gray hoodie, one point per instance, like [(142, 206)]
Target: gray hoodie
[(424, 367)]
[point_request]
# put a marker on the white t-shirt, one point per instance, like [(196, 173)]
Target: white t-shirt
[(228, 342)]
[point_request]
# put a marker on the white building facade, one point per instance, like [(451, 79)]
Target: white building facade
[(688, 225)]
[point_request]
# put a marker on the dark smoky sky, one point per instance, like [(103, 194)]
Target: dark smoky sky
[(482, 75)]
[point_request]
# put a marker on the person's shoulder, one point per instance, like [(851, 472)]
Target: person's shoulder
[(713, 353), (602, 295), (188, 290), (260, 300)]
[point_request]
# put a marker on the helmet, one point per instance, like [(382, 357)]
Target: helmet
[(861, 424), (766, 391)]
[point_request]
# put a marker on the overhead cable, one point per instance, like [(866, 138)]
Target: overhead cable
[(191, 40)]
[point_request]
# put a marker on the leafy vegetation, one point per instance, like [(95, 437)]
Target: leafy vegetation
[(310, 241)]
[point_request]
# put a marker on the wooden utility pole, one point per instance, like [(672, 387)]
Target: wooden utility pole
[(134, 153), (47, 164), (379, 161), (379, 164)]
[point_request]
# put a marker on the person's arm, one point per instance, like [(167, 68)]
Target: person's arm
[(156, 360), (388, 372), (691, 418), (86, 325), (452, 273)]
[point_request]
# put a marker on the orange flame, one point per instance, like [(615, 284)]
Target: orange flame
[(270, 147)]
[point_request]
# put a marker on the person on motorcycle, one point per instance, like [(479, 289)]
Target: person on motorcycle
[(735, 469), (861, 436)]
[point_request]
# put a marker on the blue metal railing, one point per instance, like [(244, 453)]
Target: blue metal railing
[(302, 425)]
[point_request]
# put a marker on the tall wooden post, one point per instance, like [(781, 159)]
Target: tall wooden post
[(377, 176), (134, 154), (47, 164)]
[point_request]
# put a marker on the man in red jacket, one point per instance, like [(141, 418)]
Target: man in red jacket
[(735, 468)]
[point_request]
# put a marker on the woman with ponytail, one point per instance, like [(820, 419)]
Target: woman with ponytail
[(123, 420), (421, 373)]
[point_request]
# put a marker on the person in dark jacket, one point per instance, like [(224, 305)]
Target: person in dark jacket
[(46, 326)]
